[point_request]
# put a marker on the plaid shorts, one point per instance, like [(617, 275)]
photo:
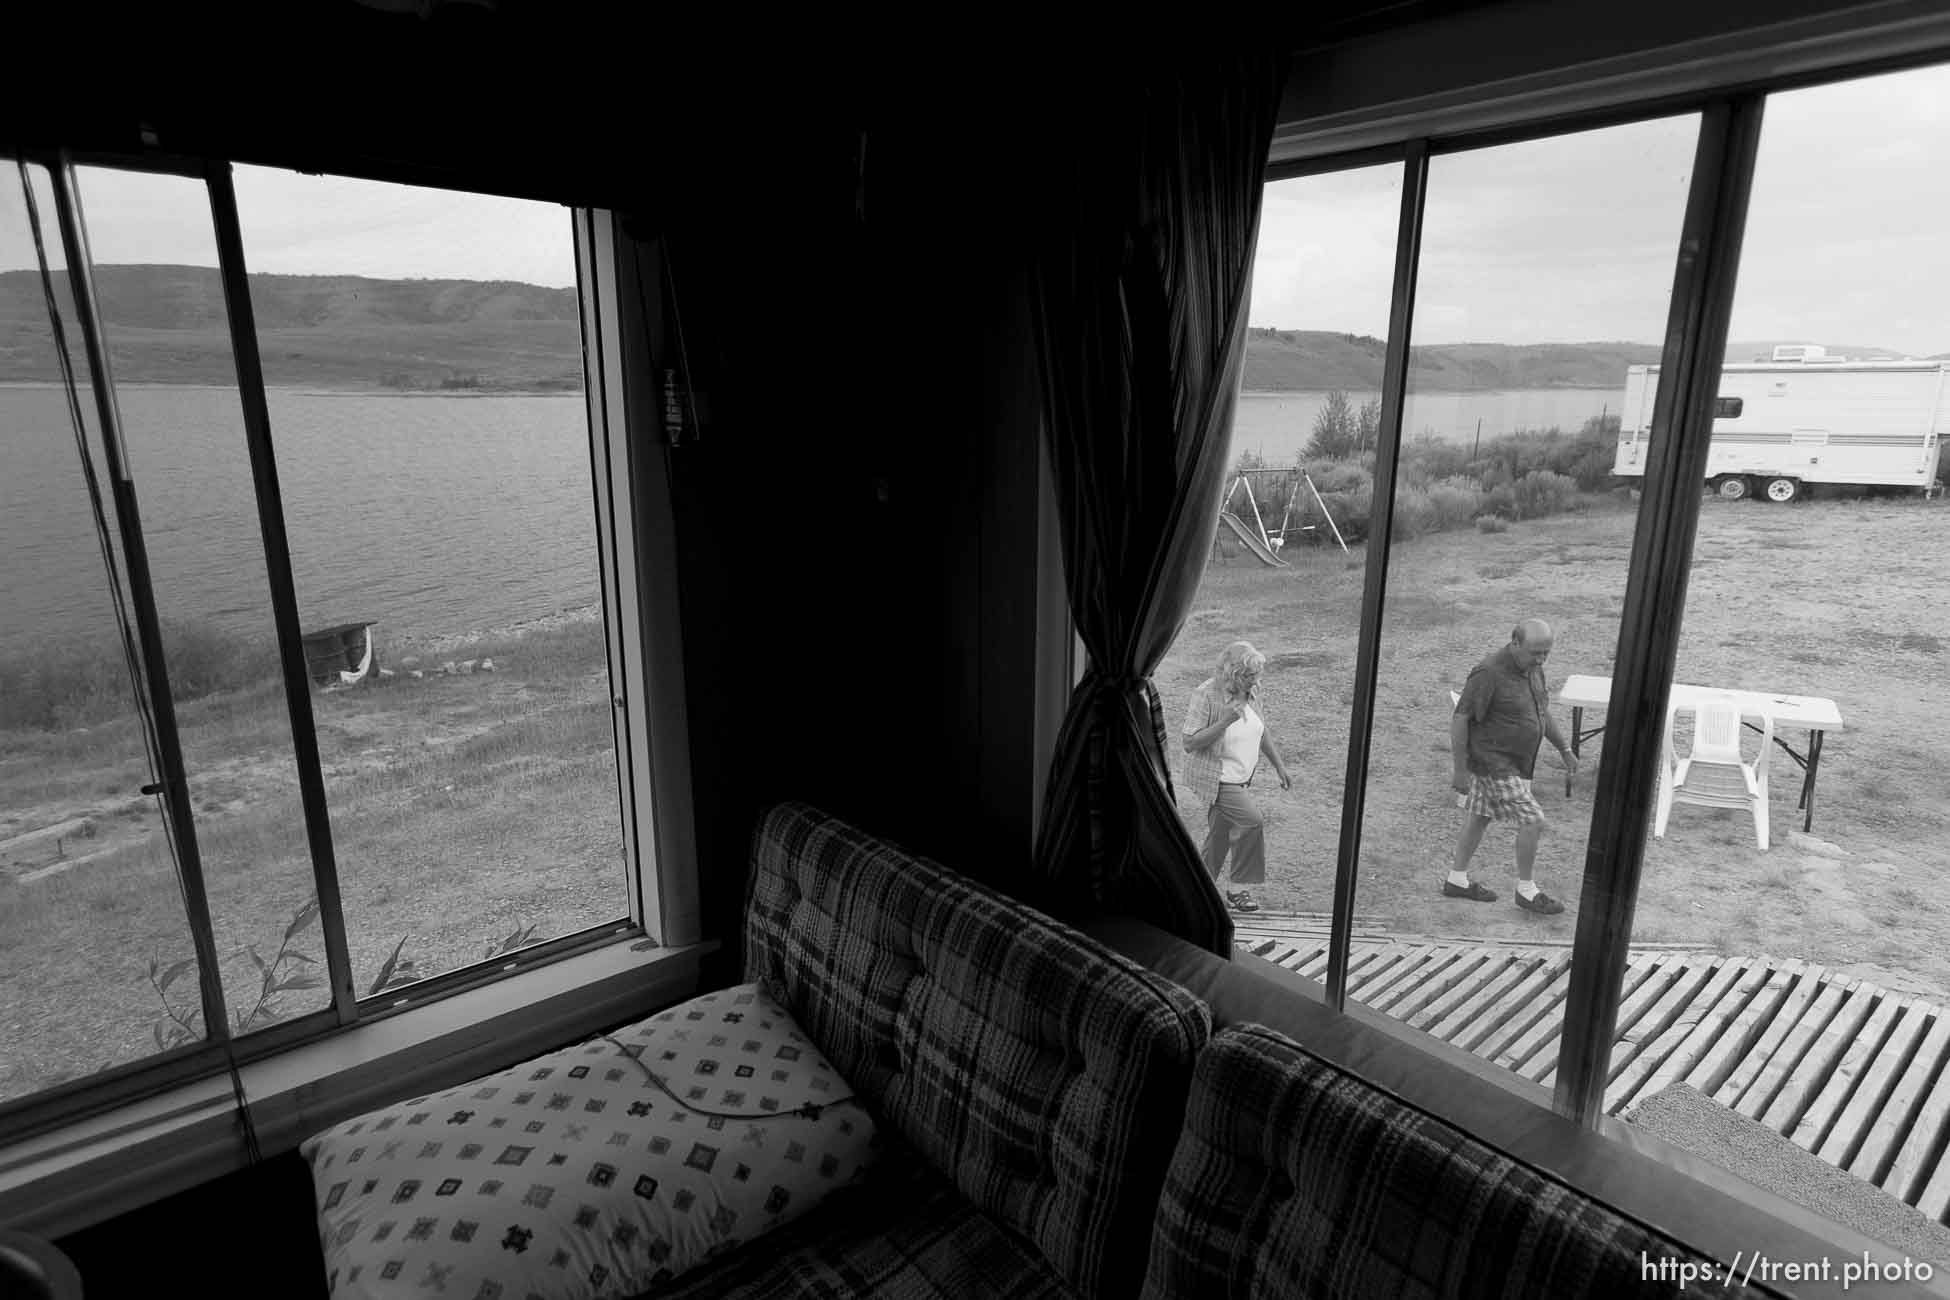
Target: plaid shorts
[(1504, 799)]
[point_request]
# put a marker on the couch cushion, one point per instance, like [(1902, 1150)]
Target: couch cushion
[(1033, 1066), (903, 1234), (605, 1167), (1293, 1178)]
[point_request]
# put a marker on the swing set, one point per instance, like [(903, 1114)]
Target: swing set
[(1266, 544)]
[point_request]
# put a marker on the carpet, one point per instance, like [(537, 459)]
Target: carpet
[(1690, 1119)]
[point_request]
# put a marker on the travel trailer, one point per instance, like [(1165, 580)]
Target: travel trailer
[(1803, 419)]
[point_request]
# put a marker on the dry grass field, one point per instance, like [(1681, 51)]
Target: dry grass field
[(463, 808), (1829, 598)]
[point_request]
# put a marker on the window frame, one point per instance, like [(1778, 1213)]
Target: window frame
[(657, 932), (1730, 107)]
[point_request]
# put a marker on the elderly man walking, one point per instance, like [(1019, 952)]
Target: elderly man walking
[(1503, 716)]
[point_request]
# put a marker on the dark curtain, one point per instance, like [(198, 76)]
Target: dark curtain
[(1140, 299)]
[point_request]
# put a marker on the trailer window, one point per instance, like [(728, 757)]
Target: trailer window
[(1727, 408)]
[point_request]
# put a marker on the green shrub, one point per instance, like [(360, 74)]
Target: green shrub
[(1339, 476), (1541, 492), (1351, 505), (1454, 501), (1414, 514), (1428, 459), (1342, 430), (1492, 524), (76, 682)]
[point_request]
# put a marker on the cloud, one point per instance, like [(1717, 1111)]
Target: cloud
[(1575, 238), (311, 225)]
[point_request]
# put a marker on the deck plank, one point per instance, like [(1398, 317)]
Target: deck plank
[(1934, 1200), (1819, 1087), (1787, 1056), (1658, 979), (1385, 967), (1807, 988), (1732, 1046), (1856, 1074), (1503, 1021), (1705, 1025), (1913, 1165), (1380, 992), (1452, 1010), (1315, 965), (1657, 1016), (1542, 1036), (1705, 1012), (1469, 970), (1868, 1117)]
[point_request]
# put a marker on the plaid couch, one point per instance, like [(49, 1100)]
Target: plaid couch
[(1293, 1178), (1036, 1072)]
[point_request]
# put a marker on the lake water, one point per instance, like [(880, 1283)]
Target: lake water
[(1277, 425), (430, 514)]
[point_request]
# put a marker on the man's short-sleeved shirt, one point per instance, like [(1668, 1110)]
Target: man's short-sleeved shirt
[(1506, 707)]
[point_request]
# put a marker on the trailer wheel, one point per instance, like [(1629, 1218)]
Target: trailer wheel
[(1782, 490), (1732, 487)]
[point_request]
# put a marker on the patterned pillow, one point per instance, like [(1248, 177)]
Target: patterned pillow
[(603, 1169)]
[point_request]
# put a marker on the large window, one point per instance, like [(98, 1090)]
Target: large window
[(1546, 268), (1770, 960), (1285, 572), (377, 542), (1802, 984)]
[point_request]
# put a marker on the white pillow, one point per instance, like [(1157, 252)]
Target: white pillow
[(603, 1169)]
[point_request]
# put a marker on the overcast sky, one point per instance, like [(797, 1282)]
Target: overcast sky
[(1573, 239), (1564, 240), (316, 225)]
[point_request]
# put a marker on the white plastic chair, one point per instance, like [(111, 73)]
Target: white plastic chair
[(1714, 775)]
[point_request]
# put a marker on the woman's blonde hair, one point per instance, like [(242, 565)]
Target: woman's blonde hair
[(1237, 657)]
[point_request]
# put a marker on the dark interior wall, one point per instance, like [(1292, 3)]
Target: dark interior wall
[(859, 613), (1470, 47)]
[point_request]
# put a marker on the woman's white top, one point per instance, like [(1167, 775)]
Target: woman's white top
[(1239, 747)]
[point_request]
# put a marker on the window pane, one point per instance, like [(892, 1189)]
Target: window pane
[(88, 894), (423, 350), (1545, 274), (154, 249), (1286, 568), (1809, 993)]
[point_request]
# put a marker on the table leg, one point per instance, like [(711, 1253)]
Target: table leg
[(1808, 781), (1577, 728)]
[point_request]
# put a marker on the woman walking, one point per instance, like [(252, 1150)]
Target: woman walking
[(1224, 739)]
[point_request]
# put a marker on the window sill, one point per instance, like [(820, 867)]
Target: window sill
[(80, 1175)]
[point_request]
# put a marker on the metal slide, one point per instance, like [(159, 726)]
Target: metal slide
[(1251, 542)]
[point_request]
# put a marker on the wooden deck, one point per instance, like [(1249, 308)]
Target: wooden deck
[(1851, 1072)]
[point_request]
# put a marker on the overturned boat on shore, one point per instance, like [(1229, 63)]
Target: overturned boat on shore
[(341, 655)]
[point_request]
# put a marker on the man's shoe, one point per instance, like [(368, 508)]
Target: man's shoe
[(1240, 901), (1541, 903), (1475, 892)]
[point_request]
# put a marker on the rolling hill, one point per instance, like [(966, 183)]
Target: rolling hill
[(166, 325), (1317, 360)]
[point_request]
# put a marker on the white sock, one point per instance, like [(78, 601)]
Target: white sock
[(1528, 888), (1460, 879)]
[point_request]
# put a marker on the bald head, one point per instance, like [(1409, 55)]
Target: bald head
[(1530, 642)]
